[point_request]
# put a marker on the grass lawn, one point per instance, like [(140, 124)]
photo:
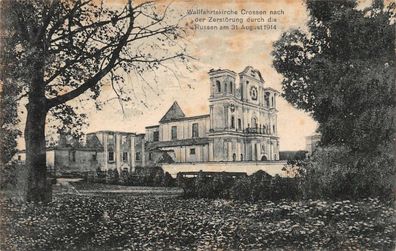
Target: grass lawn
[(108, 189), (124, 222)]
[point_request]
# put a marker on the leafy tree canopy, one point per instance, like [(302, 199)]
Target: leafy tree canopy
[(342, 72)]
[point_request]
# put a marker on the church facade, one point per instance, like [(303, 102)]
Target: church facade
[(241, 125)]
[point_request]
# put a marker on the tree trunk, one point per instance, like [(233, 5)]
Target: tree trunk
[(38, 189)]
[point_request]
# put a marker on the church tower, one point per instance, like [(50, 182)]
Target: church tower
[(222, 93), (243, 119)]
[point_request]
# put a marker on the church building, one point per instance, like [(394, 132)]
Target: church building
[(241, 125)]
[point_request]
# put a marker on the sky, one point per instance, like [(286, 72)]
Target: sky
[(232, 50), (152, 95)]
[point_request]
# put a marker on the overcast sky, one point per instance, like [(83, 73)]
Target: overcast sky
[(233, 50)]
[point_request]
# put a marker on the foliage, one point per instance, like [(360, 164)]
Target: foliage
[(147, 176), (150, 176), (8, 175), (137, 223), (8, 121), (256, 187), (168, 180), (342, 72), (338, 173), (112, 176), (9, 93)]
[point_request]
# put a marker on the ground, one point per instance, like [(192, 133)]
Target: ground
[(123, 221)]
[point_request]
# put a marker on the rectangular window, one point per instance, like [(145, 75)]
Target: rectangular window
[(111, 156), (19, 157), (195, 130), (192, 151), (73, 156), (137, 155), (156, 136), (125, 156), (174, 132), (150, 156), (239, 124), (94, 157)]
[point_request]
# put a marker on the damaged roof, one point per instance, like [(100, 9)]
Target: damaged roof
[(174, 112)]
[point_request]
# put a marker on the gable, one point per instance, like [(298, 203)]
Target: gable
[(93, 142), (174, 112), (250, 71)]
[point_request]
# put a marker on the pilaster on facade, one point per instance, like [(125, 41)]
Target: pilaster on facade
[(132, 153), (143, 157), (106, 152), (118, 152)]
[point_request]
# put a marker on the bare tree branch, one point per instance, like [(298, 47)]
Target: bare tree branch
[(98, 76)]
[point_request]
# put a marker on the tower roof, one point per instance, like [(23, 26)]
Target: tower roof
[(174, 112)]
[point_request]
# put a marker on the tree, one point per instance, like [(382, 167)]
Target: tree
[(59, 50), (342, 72)]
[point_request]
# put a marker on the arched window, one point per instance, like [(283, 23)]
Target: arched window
[(218, 85), (266, 99), (225, 88), (239, 124), (254, 123), (273, 128), (232, 122), (231, 87), (272, 101)]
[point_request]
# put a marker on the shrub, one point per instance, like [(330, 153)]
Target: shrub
[(338, 173), (284, 188), (257, 187), (260, 186), (168, 180), (8, 177), (112, 176), (124, 176), (147, 176), (241, 190)]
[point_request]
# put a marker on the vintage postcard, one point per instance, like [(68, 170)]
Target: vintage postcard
[(197, 125)]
